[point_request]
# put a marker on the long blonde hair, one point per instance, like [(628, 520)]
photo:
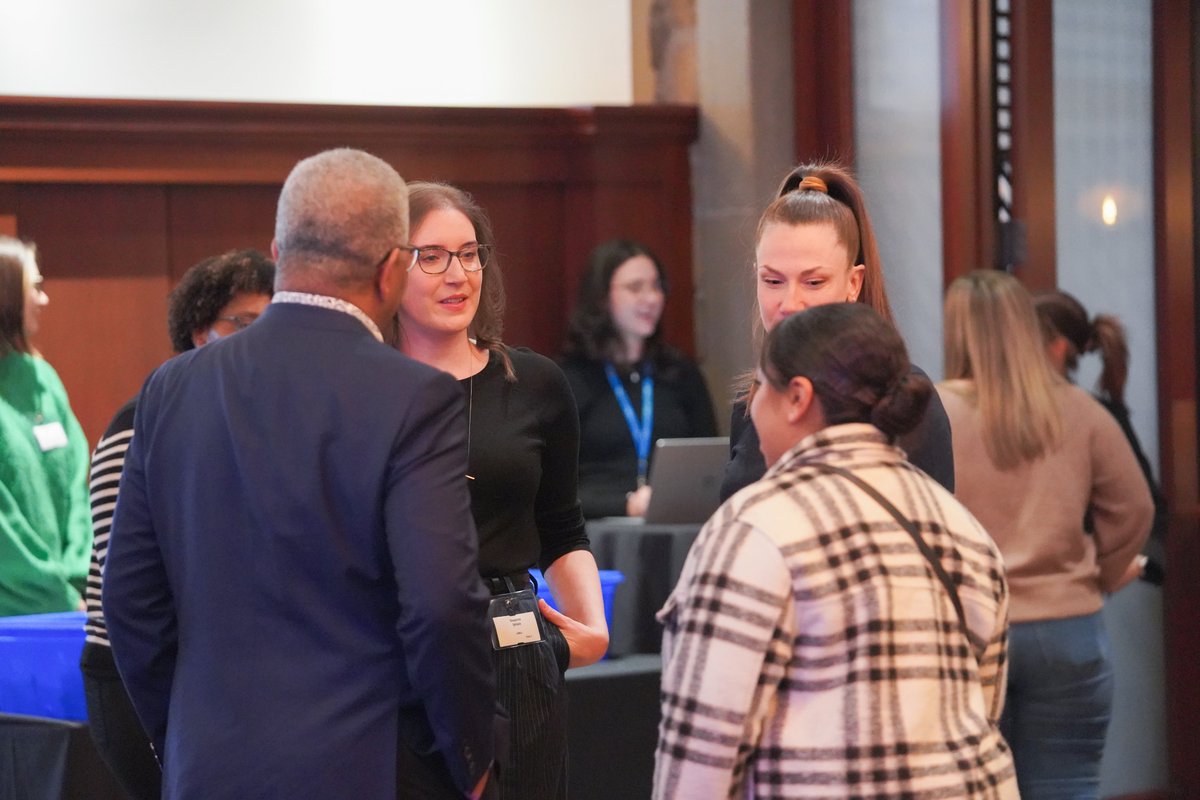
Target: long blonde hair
[(992, 339)]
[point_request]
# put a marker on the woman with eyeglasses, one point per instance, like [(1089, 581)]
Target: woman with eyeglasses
[(215, 298), (523, 440), (45, 537), (632, 388)]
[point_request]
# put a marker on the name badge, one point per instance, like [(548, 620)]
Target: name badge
[(517, 629), (50, 436), (514, 620)]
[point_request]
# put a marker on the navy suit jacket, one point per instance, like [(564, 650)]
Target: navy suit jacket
[(292, 589)]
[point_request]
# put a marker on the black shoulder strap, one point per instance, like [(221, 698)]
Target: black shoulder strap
[(908, 525)]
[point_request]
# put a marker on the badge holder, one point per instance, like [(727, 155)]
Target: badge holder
[(515, 621)]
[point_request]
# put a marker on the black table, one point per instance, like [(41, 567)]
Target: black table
[(651, 558), (612, 728), (48, 759)]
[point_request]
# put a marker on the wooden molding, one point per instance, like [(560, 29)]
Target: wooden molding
[(1033, 139), (122, 196), (137, 141), (822, 57), (967, 135)]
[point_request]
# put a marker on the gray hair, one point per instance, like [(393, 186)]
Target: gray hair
[(340, 212)]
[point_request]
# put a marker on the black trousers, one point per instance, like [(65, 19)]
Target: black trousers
[(115, 728), (532, 689)]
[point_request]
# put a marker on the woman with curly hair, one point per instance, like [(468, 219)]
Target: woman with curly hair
[(216, 298)]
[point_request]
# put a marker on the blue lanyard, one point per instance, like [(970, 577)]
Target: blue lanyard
[(639, 432)]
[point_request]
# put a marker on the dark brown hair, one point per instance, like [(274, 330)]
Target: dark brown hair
[(591, 333), (1060, 314), (857, 363), (488, 325)]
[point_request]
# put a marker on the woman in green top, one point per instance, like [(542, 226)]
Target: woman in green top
[(45, 528)]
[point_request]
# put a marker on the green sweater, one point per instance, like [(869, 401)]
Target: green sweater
[(45, 526)]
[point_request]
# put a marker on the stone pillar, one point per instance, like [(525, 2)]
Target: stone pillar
[(744, 70)]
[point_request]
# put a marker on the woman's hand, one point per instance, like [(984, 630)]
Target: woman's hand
[(636, 502), (1131, 574), (588, 645)]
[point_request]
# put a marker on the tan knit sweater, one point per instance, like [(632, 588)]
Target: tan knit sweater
[(1035, 512)]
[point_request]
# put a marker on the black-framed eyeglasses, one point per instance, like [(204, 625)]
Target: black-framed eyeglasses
[(239, 321), (436, 260)]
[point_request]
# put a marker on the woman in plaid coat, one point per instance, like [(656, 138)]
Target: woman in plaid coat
[(811, 648)]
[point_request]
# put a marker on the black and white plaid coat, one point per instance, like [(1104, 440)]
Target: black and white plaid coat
[(810, 650)]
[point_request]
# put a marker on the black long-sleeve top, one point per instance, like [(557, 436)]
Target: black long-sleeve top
[(524, 438), (927, 446), (607, 456)]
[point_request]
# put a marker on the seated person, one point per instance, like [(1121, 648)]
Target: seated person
[(630, 386)]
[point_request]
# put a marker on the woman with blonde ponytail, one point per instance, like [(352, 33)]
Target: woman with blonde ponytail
[(1034, 456)]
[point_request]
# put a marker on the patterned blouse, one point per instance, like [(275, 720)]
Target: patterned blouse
[(811, 651)]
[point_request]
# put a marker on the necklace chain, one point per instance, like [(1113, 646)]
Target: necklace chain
[(470, 413)]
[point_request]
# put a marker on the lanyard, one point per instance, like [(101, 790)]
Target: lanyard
[(639, 432)]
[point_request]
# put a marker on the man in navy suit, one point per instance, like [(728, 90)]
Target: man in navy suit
[(292, 589)]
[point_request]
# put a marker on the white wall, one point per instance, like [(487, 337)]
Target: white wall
[(1103, 130), (401, 52)]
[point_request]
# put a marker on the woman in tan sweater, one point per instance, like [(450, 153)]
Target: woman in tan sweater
[(1050, 475)]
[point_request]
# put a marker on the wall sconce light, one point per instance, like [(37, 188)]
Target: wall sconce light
[(1108, 210)]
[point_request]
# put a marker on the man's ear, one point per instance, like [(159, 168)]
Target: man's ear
[(274, 250), (800, 397), (391, 276)]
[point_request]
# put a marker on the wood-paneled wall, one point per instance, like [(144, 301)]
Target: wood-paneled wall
[(121, 197)]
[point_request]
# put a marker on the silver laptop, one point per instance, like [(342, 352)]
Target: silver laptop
[(686, 478)]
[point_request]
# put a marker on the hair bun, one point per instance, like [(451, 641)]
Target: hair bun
[(902, 405)]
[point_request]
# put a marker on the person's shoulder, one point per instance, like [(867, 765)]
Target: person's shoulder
[(122, 421), (43, 372), (580, 367), (536, 370), (955, 394), (1075, 401), (1082, 412), (769, 507)]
